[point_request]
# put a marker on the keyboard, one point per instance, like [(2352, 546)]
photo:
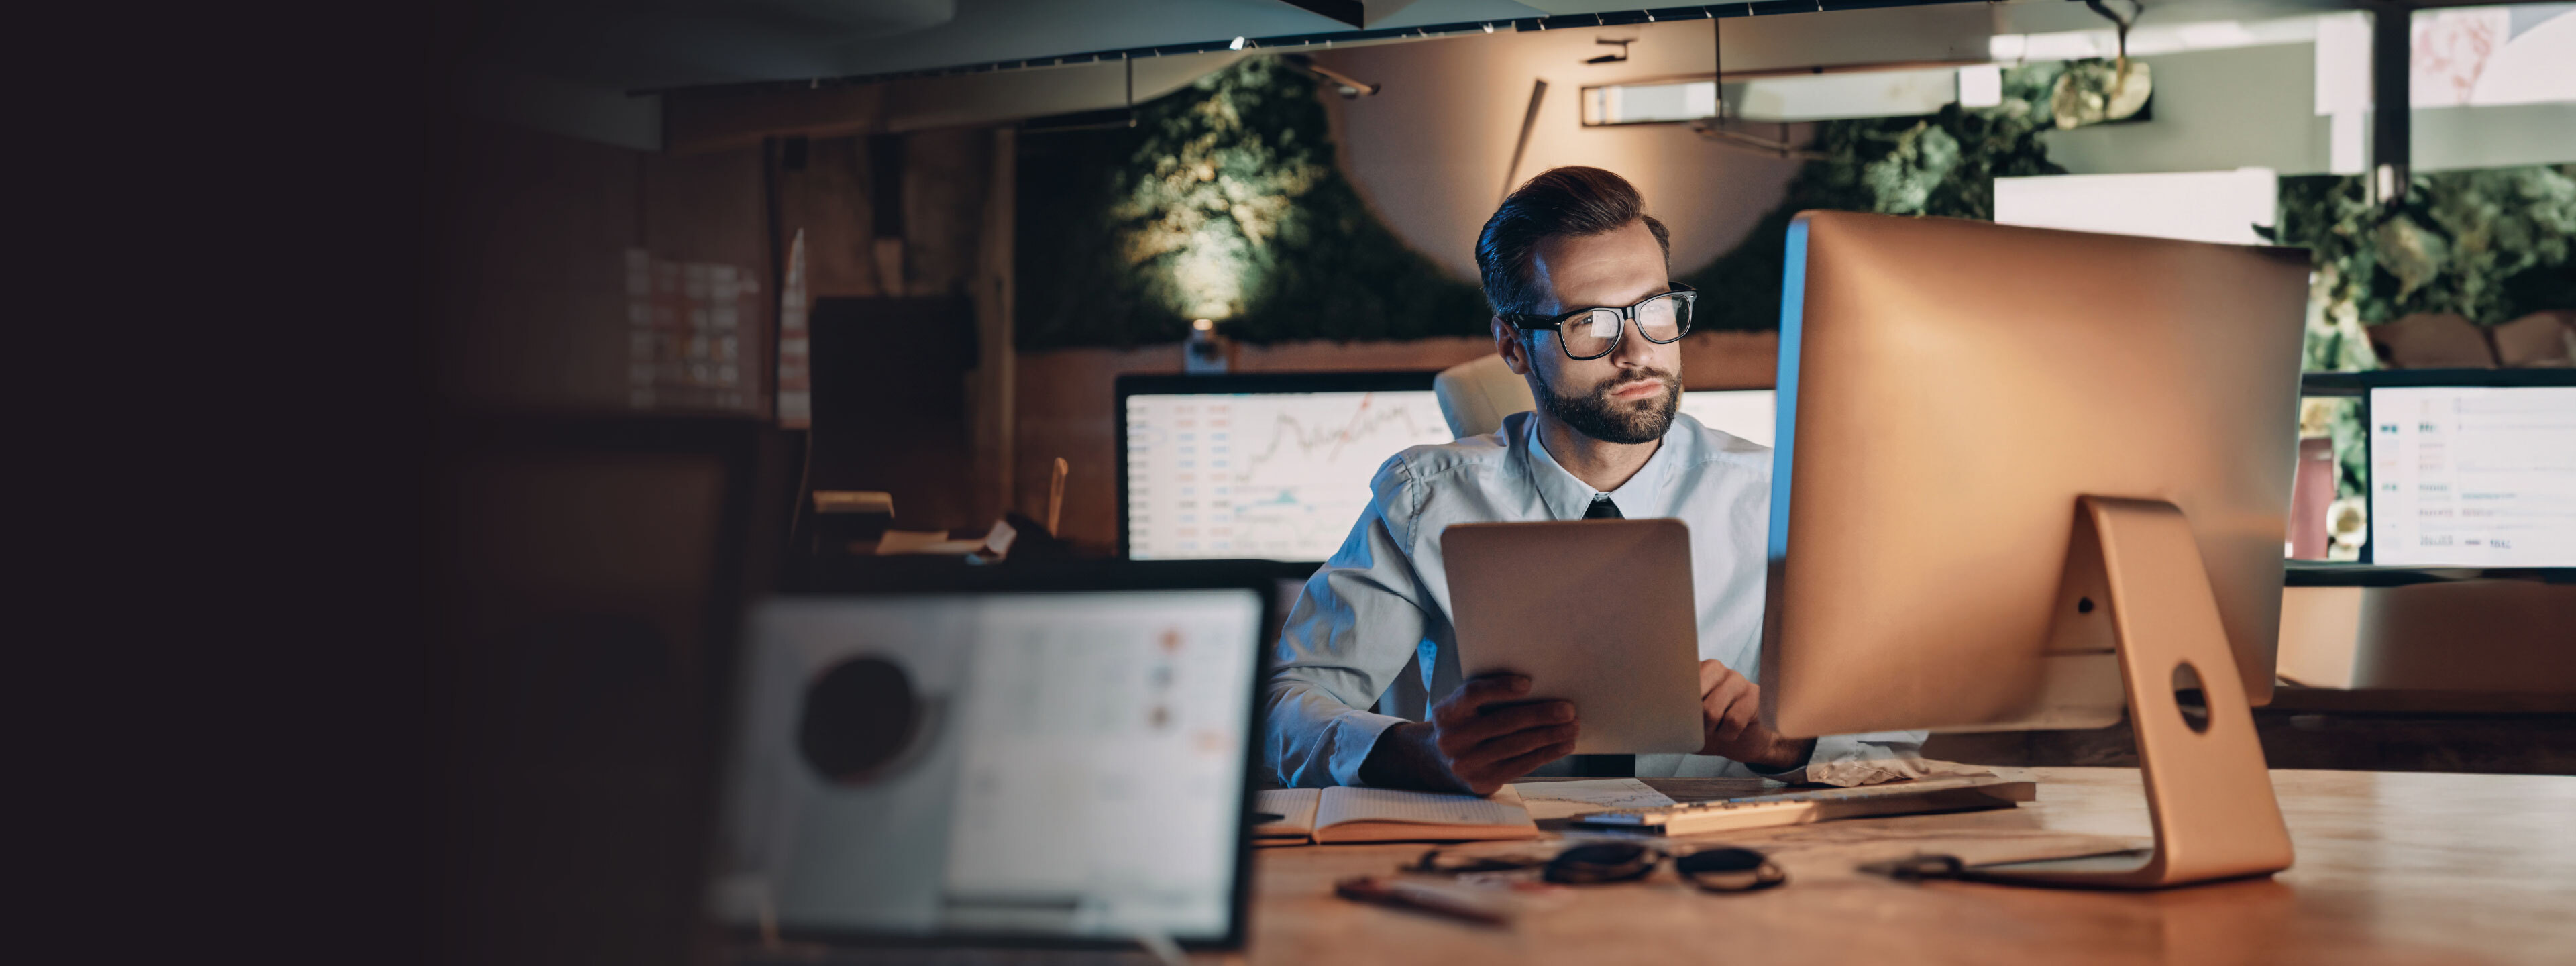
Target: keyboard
[(1921, 796)]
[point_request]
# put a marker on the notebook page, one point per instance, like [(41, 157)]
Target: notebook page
[(1297, 805), (1347, 804), (1547, 800)]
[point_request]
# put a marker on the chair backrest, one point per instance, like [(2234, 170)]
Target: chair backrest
[(1476, 395)]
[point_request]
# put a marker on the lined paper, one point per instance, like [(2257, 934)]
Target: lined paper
[(1348, 804), (1546, 800)]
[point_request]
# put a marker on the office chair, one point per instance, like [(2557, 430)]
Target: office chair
[(1476, 395)]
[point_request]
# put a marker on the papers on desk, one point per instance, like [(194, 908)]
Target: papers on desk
[(1874, 771), (924, 541), (1344, 814), (995, 544), (1547, 800)]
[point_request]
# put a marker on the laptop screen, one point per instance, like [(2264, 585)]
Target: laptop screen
[(1038, 765)]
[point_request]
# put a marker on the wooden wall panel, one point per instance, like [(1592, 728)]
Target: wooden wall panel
[(527, 266), (829, 201)]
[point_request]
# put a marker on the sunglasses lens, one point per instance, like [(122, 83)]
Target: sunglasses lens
[(1729, 870), (1434, 862), (1604, 862), (1720, 860)]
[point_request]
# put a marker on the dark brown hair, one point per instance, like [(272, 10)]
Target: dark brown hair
[(1560, 201)]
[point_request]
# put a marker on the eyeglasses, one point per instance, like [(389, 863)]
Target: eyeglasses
[(1714, 870), (1592, 333)]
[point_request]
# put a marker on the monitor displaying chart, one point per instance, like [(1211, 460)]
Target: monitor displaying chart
[(2473, 476), (1278, 475)]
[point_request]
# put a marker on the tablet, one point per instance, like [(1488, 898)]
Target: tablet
[(1597, 612)]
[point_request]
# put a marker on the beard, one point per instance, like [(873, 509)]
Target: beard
[(1597, 415)]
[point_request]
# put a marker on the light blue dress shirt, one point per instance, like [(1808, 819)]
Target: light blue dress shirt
[(1372, 626)]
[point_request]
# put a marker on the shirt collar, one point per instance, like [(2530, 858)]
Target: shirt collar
[(1647, 494)]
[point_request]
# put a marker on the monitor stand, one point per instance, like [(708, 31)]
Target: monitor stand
[(2209, 794)]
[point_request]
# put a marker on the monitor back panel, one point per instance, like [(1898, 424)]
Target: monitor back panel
[(1947, 390)]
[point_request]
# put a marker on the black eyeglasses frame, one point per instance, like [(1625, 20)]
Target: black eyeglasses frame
[(1711, 869), (1529, 322)]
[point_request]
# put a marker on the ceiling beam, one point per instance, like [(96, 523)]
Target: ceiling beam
[(1347, 11), (1731, 9)]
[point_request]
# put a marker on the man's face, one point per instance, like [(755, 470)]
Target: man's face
[(1628, 396)]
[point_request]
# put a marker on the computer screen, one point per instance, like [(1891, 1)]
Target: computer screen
[(2473, 475), (1260, 467), (1062, 765), (1747, 414)]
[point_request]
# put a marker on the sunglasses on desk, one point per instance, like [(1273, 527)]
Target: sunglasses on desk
[(1596, 863)]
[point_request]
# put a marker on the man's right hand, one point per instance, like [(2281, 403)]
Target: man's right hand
[(1479, 738)]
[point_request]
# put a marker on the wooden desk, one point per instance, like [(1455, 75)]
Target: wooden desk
[(2392, 868)]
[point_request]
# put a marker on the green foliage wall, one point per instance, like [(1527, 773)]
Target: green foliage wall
[(1223, 202), (2490, 245)]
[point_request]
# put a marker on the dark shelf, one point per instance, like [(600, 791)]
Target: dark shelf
[(2359, 383)]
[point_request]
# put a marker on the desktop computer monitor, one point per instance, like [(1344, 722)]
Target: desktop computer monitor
[(2472, 468), (1259, 466), (2027, 478), (1060, 764)]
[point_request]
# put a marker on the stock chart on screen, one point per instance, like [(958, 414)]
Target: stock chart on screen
[(1280, 476)]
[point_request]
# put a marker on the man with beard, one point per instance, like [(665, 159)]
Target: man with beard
[(1585, 309)]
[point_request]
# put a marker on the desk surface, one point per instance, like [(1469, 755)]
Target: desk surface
[(2392, 868)]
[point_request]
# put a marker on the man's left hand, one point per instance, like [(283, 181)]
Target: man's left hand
[(1730, 715)]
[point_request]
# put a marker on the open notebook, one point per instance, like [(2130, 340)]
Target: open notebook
[(1344, 814)]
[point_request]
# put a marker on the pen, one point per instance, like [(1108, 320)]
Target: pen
[(1428, 897)]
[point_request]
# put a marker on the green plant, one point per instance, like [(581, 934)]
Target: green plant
[(1224, 203), (2490, 245)]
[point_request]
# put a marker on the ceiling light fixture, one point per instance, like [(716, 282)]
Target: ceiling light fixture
[(1348, 87), (1715, 128), (1620, 57)]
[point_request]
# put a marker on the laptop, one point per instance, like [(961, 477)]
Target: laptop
[(1060, 762)]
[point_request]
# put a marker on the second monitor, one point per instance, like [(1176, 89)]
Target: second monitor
[(1276, 466), (1259, 466)]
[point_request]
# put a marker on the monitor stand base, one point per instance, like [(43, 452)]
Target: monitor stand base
[(2209, 794)]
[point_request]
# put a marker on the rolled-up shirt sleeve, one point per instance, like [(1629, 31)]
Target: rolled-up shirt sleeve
[(1353, 629)]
